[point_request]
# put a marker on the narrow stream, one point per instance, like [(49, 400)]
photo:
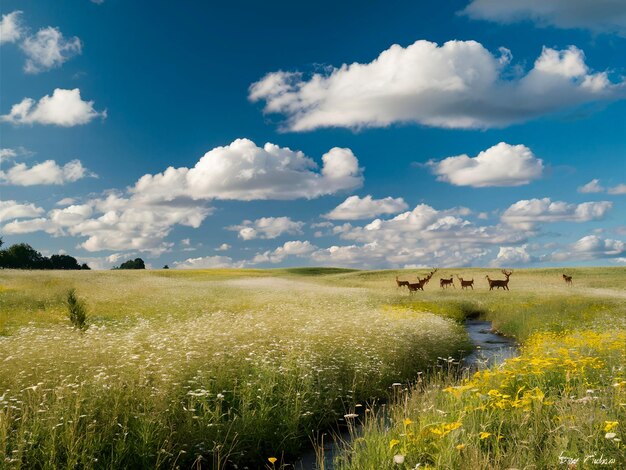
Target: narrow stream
[(489, 349)]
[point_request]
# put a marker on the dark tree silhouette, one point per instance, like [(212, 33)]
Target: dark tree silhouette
[(137, 263), (63, 262), (24, 256)]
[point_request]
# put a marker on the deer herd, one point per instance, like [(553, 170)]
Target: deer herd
[(444, 283)]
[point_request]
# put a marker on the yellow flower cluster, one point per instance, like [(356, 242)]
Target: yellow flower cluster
[(550, 366), (556, 360)]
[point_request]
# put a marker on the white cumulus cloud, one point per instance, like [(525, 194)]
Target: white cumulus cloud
[(512, 256), (206, 262), (48, 172), (619, 189), (48, 49), (457, 85), (592, 247), (267, 227), (596, 15), (593, 186), (500, 165), (64, 108), (355, 208), (11, 209), (243, 171), (423, 236), (11, 29), (291, 248), (529, 212)]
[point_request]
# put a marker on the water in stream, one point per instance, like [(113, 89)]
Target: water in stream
[(489, 349)]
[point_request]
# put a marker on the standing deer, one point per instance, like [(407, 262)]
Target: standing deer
[(419, 285), (464, 283), (447, 282), (401, 283), (504, 283), (567, 279)]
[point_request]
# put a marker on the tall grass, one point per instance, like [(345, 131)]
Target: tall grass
[(76, 310), (223, 372)]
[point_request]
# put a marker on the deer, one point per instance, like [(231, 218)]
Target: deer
[(447, 282), (504, 283), (464, 283), (419, 285), (567, 279), (401, 283)]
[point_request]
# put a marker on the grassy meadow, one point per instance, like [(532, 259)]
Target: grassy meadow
[(230, 368)]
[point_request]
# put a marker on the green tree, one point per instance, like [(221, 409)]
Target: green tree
[(22, 256), (63, 262), (137, 263)]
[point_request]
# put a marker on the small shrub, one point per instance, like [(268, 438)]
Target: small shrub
[(76, 309)]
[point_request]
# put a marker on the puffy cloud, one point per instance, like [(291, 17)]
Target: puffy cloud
[(267, 227), (500, 165), (6, 154), (118, 223), (64, 108), (206, 262), (10, 27), (223, 247), (130, 224), (422, 236), (512, 256), (48, 49), (142, 218), (592, 247), (18, 227), (291, 248), (48, 172), (527, 213), (597, 245), (71, 215), (354, 208), (245, 172), (457, 85), (13, 210), (619, 189), (593, 186), (66, 201), (597, 16)]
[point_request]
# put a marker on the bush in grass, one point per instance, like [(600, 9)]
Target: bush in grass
[(76, 310)]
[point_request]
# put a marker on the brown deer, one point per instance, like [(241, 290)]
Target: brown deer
[(567, 279), (497, 283), (447, 282), (401, 283), (419, 285), (464, 283)]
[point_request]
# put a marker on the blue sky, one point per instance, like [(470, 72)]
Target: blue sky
[(483, 132)]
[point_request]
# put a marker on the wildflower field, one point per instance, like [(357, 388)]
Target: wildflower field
[(236, 368)]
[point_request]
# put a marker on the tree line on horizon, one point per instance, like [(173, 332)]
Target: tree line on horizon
[(24, 256)]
